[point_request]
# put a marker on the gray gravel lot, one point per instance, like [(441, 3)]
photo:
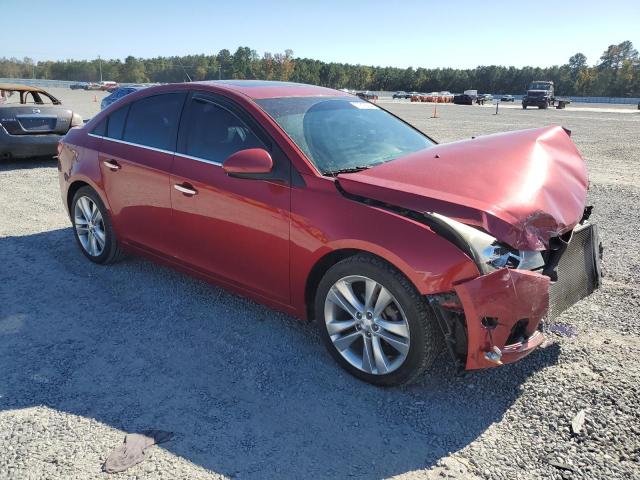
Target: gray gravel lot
[(88, 353)]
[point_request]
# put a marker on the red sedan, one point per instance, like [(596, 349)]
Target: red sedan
[(327, 207)]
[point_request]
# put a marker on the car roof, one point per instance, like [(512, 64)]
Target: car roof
[(260, 89), (16, 87)]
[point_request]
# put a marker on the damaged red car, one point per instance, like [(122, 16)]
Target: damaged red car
[(329, 208)]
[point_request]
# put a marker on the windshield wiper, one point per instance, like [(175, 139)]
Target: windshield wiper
[(348, 170)]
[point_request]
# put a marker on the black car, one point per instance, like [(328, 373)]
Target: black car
[(367, 95), (401, 94), (78, 86), (463, 99), (33, 121)]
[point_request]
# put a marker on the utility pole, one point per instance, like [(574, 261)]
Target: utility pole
[(100, 60), (219, 72)]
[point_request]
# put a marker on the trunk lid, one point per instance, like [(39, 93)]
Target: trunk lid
[(35, 119), (522, 187)]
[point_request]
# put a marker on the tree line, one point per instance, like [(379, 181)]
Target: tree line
[(615, 74)]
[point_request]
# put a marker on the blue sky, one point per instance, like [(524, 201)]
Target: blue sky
[(402, 34)]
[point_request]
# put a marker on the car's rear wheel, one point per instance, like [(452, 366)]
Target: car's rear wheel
[(92, 227), (374, 322)]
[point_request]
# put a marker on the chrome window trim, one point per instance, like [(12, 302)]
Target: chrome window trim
[(131, 143), (198, 159), (183, 155)]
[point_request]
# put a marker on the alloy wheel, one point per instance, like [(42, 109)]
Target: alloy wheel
[(366, 325), (89, 226)]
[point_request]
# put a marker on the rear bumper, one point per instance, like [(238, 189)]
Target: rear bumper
[(24, 146)]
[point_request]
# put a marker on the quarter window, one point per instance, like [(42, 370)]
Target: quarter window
[(153, 121), (116, 122), (100, 128), (214, 133)]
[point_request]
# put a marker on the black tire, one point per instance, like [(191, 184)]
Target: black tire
[(426, 339), (111, 252)]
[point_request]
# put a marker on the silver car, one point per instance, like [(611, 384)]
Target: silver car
[(32, 121)]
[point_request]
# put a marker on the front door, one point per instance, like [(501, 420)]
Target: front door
[(235, 229), (135, 158)]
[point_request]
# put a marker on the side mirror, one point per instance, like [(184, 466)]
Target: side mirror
[(249, 163)]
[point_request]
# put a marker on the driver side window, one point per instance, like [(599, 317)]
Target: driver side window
[(214, 133)]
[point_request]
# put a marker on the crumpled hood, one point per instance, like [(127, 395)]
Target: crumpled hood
[(522, 187)]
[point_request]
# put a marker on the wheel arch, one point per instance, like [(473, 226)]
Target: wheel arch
[(76, 185), (328, 260), (71, 191)]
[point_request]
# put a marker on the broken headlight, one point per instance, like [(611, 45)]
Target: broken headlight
[(489, 253)]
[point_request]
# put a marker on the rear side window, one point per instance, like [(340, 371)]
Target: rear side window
[(116, 122), (214, 133), (153, 121)]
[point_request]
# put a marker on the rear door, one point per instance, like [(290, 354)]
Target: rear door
[(135, 160), (235, 229)]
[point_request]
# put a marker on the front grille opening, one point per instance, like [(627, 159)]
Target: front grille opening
[(518, 332), (577, 271)]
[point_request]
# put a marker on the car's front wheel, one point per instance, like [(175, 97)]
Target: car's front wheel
[(92, 227), (374, 322)]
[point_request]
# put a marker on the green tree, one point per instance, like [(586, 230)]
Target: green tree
[(133, 71)]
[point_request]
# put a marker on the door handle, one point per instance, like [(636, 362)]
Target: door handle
[(185, 188), (112, 164)]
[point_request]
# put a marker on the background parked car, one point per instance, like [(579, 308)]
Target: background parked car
[(507, 98), (463, 99), (117, 94), (108, 84), (484, 97), (32, 121), (78, 86), (367, 95), (401, 94)]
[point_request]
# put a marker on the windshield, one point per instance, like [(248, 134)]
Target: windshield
[(539, 86), (343, 133)]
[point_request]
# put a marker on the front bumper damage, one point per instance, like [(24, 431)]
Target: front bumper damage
[(497, 318), (503, 310)]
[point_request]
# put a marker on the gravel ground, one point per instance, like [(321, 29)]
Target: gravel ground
[(88, 353)]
